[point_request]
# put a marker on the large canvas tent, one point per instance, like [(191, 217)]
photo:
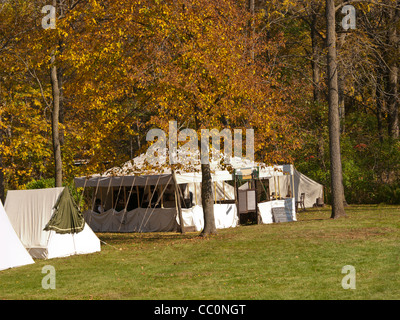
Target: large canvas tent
[(49, 224), (12, 252), (138, 179)]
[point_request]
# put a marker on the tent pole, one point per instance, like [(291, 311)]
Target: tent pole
[(119, 191), (149, 205), (126, 202), (292, 182), (178, 202), (159, 198), (112, 197), (108, 192), (144, 191), (195, 192), (236, 195), (279, 187), (162, 198), (138, 200), (130, 192), (95, 194)]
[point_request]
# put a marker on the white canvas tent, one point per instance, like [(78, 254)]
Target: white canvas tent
[(12, 252), (139, 173), (302, 184), (30, 211)]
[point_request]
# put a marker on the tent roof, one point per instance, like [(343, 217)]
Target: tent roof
[(140, 171), (66, 218)]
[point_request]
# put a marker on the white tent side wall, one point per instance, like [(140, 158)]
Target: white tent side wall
[(62, 245), (302, 184), (30, 210), (12, 252), (311, 188), (225, 216)]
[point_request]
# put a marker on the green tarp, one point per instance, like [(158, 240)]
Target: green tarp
[(67, 217)]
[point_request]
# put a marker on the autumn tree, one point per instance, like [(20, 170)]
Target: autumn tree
[(334, 121), (23, 126)]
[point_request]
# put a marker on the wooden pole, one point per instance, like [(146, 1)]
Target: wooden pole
[(279, 188), (162, 198), (138, 199), (292, 183), (195, 192), (178, 203), (112, 197)]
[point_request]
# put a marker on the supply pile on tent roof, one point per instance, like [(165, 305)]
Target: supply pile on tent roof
[(49, 224), (12, 252), (143, 171)]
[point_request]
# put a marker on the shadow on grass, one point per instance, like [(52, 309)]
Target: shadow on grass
[(150, 237)]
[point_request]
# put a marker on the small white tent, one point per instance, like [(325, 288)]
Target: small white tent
[(12, 252), (302, 184), (30, 211)]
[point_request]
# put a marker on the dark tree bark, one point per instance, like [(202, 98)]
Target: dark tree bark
[(207, 200), (55, 124), (393, 70), (379, 98), (334, 120), (315, 62), (56, 77), (316, 78)]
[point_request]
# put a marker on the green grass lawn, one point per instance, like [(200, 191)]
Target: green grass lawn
[(298, 260)]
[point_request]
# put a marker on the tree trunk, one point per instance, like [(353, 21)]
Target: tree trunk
[(55, 124), (207, 200), (316, 78), (252, 9), (316, 53), (61, 103), (334, 120), (392, 80), (379, 98)]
